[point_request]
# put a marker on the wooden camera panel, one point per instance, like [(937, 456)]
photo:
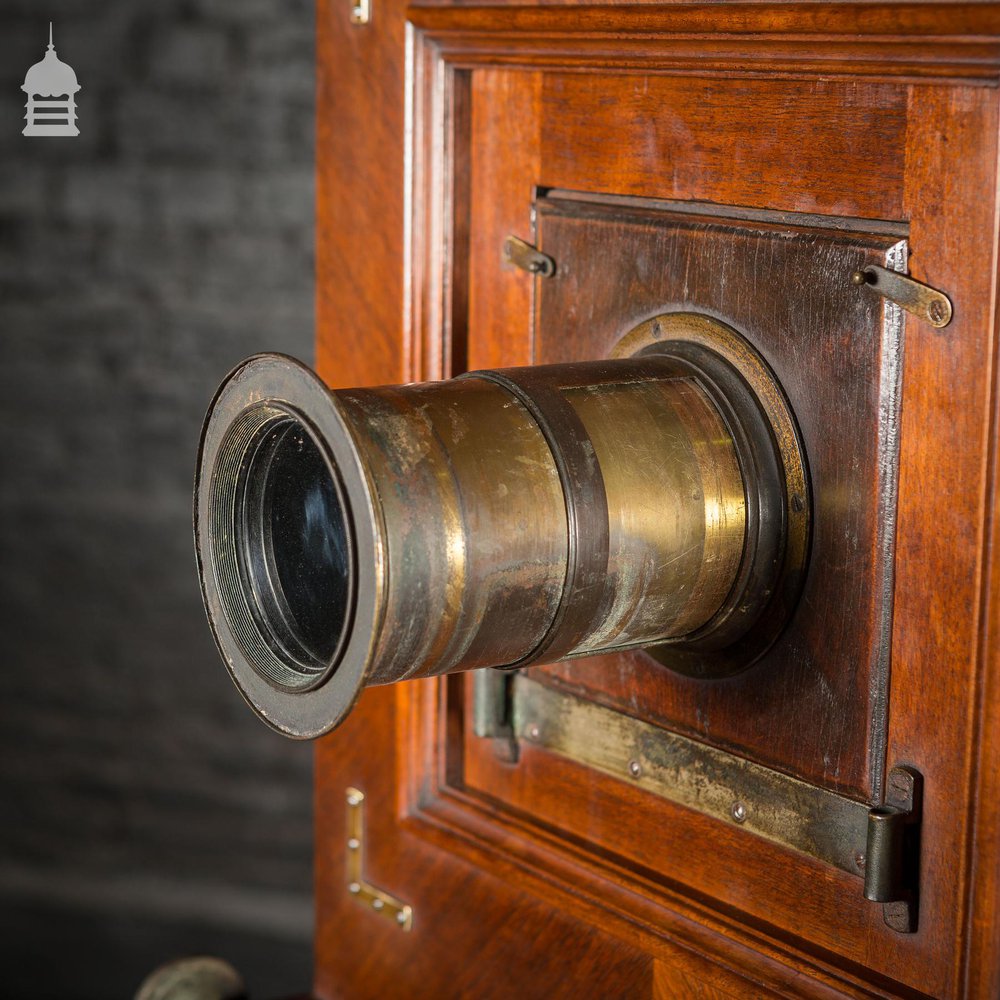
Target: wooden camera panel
[(818, 136), (814, 705)]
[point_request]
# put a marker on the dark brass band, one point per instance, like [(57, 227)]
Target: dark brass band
[(586, 507)]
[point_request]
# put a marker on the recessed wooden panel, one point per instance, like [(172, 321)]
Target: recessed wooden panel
[(868, 182), (835, 348)]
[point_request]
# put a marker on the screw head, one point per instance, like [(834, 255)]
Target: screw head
[(635, 768), (936, 311), (738, 811), (354, 888), (377, 904), (401, 917), (533, 731), (859, 861)]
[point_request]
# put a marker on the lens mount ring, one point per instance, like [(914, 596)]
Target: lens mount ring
[(285, 624), (718, 354)]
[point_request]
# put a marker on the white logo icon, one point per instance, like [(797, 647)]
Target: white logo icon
[(51, 88)]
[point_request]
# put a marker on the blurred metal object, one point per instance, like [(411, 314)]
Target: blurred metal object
[(202, 978), (361, 12), (527, 257), (366, 536)]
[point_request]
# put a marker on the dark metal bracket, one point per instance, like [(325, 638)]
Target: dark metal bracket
[(493, 711), (880, 843), (892, 857)]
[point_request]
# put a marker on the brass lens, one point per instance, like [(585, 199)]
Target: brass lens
[(365, 536)]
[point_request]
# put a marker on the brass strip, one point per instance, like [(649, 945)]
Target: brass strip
[(772, 805), (528, 258), (375, 899), (921, 300)]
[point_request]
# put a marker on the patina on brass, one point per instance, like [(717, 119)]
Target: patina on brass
[(779, 508), (762, 801), (920, 300), (365, 536)]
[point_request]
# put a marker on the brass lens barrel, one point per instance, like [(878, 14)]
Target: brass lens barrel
[(366, 536)]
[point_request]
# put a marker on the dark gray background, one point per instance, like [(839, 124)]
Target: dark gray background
[(144, 812)]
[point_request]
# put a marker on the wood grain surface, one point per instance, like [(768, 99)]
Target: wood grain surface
[(786, 286), (543, 879)]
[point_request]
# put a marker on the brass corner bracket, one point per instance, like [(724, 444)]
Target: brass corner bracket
[(381, 902)]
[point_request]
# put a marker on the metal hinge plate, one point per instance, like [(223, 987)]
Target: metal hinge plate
[(528, 258), (925, 302), (892, 856), (880, 843)]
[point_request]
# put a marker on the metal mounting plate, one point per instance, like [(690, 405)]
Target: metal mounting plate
[(765, 802)]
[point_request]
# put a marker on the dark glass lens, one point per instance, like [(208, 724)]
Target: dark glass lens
[(297, 546)]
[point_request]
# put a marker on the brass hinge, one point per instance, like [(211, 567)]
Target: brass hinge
[(892, 857)]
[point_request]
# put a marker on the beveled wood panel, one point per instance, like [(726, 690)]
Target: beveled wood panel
[(876, 203), (786, 286), (474, 934)]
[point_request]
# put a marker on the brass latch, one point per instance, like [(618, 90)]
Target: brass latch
[(892, 857), (924, 302), (528, 258)]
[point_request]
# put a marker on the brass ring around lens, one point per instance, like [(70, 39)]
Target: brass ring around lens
[(773, 575)]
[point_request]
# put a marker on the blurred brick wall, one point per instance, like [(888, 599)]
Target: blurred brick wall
[(138, 263)]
